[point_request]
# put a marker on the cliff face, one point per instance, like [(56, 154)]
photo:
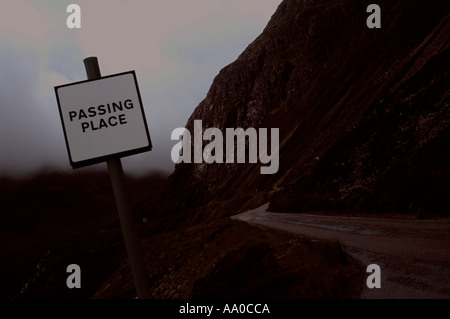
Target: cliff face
[(363, 113)]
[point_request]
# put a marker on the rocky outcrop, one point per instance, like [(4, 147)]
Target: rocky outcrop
[(363, 113)]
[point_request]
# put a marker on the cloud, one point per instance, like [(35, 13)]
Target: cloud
[(177, 47), (28, 130)]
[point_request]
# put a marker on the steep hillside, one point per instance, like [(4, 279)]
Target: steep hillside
[(363, 114)]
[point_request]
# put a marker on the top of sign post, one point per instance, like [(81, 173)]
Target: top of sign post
[(103, 118)]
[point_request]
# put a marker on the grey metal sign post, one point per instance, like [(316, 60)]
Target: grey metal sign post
[(127, 128), (124, 207)]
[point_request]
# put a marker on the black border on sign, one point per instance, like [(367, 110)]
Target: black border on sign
[(104, 158)]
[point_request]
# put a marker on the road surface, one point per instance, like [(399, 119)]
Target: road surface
[(414, 255)]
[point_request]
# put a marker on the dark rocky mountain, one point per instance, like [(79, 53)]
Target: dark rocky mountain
[(363, 114)]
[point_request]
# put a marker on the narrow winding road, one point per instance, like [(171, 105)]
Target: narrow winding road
[(414, 255)]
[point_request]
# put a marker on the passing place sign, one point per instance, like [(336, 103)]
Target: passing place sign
[(103, 118)]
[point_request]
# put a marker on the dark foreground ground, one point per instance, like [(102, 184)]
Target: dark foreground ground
[(228, 259), (53, 220)]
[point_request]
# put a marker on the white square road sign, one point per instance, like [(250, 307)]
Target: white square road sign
[(103, 118)]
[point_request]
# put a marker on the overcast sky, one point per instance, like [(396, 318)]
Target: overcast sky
[(176, 47)]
